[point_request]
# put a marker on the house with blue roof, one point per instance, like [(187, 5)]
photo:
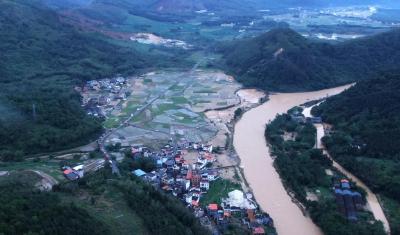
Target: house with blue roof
[(139, 173)]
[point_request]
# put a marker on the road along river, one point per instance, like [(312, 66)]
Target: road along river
[(250, 144), (371, 198)]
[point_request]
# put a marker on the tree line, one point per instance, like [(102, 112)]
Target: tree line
[(42, 60), (283, 60), (302, 169), (366, 135)]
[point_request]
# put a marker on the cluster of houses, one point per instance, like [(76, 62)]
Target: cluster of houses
[(300, 118), (107, 90), (191, 181), (113, 85), (174, 174), (348, 201), (240, 207), (73, 173)]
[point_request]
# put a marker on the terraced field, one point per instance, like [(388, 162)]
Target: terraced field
[(181, 98)]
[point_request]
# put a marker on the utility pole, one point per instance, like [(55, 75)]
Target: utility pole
[(34, 112)]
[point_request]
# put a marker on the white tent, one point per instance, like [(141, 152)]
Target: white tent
[(236, 199)]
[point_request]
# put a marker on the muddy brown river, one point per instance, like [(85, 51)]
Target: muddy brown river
[(257, 163)]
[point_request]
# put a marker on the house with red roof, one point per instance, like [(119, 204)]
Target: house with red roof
[(213, 207), (258, 230)]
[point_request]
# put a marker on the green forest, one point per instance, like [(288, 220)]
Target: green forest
[(97, 204), (302, 169), (366, 136), (157, 212), (41, 61), (26, 210), (283, 60)]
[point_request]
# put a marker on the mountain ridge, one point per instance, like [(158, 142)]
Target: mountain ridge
[(283, 60), (42, 60)]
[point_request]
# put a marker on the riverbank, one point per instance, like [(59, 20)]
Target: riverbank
[(373, 202), (314, 181), (224, 120), (257, 163)]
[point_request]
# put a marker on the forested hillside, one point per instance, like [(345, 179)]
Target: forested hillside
[(181, 6), (96, 204), (175, 10), (26, 210), (41, 60), (366, 137), (283, 60), (303, 170), (60, 4)]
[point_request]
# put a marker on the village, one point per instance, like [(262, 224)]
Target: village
[(153, 106), (192, 115), (190, 180), (195, 160), (102, 96), (187, 171)]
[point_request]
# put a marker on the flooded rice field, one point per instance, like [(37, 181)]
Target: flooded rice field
[(172, 105)]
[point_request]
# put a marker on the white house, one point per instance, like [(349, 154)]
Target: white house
[(205, 185)]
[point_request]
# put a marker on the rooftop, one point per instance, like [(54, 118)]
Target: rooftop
[(213, 207), (139, 172)]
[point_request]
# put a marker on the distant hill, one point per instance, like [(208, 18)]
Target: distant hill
[(181, 10), (41, 60), (66, 3), (184, 7), (178, 5), (221, 6), (36, 43), (238, 6), (283, 60), (366, 136), (326, 3)]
